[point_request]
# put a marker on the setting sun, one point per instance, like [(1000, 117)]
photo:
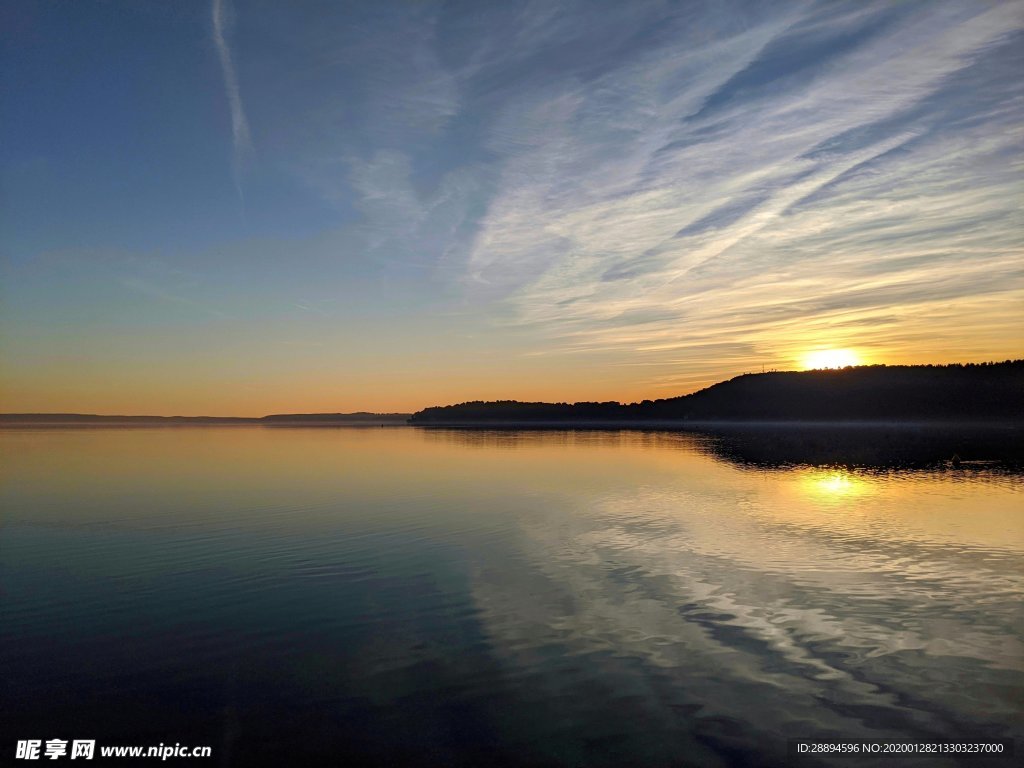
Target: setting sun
[(830, 358)]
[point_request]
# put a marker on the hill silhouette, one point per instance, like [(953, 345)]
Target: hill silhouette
[(973, 392)]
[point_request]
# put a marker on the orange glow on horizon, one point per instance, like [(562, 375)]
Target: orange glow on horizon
[(227, 388)]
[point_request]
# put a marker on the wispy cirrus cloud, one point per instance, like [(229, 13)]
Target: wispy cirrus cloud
[(240, 137), (595, 198), (685, 190), (838, 174)]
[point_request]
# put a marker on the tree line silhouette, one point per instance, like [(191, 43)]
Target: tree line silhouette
[(991, 391)]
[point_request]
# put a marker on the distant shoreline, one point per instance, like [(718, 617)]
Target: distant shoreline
[(971, 394), (565, 424), (77, 419)]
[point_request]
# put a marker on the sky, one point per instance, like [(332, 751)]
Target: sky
[(236, 208)]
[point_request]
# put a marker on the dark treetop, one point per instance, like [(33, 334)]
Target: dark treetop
[(985, 392)]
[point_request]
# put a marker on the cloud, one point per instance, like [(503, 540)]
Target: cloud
[(241, 141), (405, 230), (803, 175), (692, 190)]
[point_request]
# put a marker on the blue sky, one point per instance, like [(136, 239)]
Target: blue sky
[(253, 206)]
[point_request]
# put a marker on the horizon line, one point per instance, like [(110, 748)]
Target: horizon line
[(322, 414)]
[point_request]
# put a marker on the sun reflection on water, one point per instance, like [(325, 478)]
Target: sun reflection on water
[(834, 485)]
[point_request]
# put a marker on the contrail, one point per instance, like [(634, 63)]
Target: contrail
[(239, 123)]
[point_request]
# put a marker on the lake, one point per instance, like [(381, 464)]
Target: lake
[(401, 596)]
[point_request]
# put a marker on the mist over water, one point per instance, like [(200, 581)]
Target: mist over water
[(319, 596)]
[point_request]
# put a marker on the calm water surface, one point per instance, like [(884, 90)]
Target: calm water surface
[(398, 596)]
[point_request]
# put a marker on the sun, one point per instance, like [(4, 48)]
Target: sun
[(830, 358)]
